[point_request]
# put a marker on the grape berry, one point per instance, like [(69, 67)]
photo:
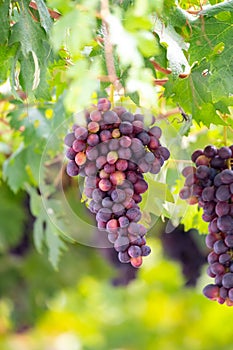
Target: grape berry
[(210, 184), (112, 152)]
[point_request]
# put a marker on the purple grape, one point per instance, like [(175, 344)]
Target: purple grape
[(155, 131), (210, 151), (227, 176), (69, 139), (113, 145), (230, 294), (124, 153), (225, 152), (208, 194), (110, 117), (121, 244), (196, 154), (92, 153), (107, 202), (118, 209), (138, 126), (209, 208), (223, 193), (144, 137), (203, 172), (229, 241), (119, 110), (220, 247), (103, 104), (121, 164), (217, 268), (81, 133), (126, 128), (134, 251), (222, 208), (134, 214), (118, 195), (164, 152), (227, 280), (93, 140), (70, 153), (72, 168), (105, 135), (217, 163), (101, 161), (104, 214), (124, 257), (97, 195), (139, 117), (212, 257), (125, 141), (140, 186), (223, 292), (224, 258), (123, 222), (146, 250), (225, 223), (211, 291), (127, 117)]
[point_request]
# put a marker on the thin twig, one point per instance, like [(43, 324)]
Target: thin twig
[(160, 82), (168, 114), (159, 68)]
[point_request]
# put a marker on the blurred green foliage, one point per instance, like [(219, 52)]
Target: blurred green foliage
[(52, 67)]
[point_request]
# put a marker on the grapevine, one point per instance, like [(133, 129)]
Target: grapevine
[(113, 151), (210, 184)]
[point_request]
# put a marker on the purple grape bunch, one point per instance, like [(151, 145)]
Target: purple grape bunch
[(210, 185), (112, 152)]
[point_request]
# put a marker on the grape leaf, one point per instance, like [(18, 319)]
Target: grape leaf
[(175, 45), (194, 96), (45, 233), (54, 243), (14, 169), (5, 21), (217, 8), (33, 54), (45, 19), (212, 39)]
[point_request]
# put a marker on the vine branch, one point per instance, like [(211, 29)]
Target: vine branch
[(108, 48)]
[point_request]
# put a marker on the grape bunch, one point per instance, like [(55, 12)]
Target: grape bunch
[(112, 152), (210, 184)]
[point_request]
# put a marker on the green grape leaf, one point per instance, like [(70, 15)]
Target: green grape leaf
[(175, 45), (212, 39), (34, 53), (4, 21), (217, 8), (45, 19), (193, 95), (45, 232), (27, 32), (54, 243), (14, 169)]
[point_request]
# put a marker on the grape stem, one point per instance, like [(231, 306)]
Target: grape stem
[(168, 113), (159, 68), (111, 94), (108, 48), (160, 82)]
